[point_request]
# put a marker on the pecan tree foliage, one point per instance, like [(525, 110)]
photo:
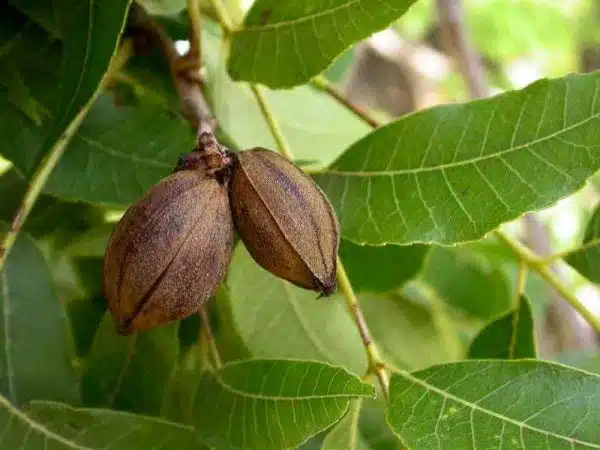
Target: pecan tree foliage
[(428, 341)]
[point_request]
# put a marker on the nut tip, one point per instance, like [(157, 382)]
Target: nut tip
[(328, 288)]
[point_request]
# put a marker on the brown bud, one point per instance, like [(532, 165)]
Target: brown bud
[(284, 219), (169, 252)]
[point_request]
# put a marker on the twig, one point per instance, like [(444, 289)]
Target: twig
[(185, 70), (209, 337), (43, 171), (454, 36), (537, 265), (376, 366), (325, 85)]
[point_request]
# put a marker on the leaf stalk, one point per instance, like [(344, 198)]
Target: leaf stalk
[(323, 84), (282, 145)]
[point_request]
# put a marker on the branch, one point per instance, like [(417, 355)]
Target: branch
[(40, 177), (454, 37)]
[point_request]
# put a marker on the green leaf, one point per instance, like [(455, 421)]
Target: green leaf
[(92, 243), (11, 28), (585, 258), (468, 283), (283, 44), (188, 331), (508, 337), (375, 430), (37, 57), (381, 269), (345, 435), (50, 216), (120, 152), (35, 362), (494, 253), (586, 359), (227, 337), (406, 333), (43, 13), (85, 315), (316, 126), (90, 33), (496, 404), (89, 273), (276, 319), (272, 404), (181, 389), (452, 173), (18, 93), (57, 426), (129, 372)]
